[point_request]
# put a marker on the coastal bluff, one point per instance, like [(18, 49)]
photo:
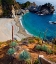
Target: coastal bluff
[(45, 9), (6, 8)]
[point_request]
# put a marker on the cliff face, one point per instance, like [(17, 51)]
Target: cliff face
[(16, 6), (6, 7), (1, 11), (42, 9)]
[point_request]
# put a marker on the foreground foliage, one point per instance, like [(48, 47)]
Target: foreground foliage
[(50, 49), (36, 61), (11, 51), (13, 44), (43, 48), (24, 55)]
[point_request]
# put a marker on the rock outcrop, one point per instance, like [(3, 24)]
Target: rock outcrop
[(42, 9), (1, 11), (6, 7)]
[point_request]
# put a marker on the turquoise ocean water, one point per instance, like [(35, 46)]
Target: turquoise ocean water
[(39, 25)]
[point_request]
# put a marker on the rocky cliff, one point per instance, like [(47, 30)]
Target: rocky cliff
[(1, 11), (6, 7), (42, 9)]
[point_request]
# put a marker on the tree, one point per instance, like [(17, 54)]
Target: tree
[(25, 5), (10, 2), (0, 2)]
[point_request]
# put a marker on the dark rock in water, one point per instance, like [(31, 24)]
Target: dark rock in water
[(51, 22), (42, 9)]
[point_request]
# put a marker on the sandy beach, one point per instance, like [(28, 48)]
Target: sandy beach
[(6, 29), (21, 28)]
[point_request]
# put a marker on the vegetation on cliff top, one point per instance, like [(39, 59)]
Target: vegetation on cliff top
[(0, 2), (7, 7), (25, 5), (26, 53)]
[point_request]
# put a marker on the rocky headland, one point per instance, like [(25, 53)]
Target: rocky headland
[(42, 9), (6, 8)]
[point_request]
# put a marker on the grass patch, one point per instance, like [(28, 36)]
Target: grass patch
[(43, 48), (49, 51), (38, 47), (36, 61)]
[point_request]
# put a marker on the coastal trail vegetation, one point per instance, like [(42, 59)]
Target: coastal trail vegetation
[(34, 46)]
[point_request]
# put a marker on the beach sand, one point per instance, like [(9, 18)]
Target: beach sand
[(21, 28), (6, 29)]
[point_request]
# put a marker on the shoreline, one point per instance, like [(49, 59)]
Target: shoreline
[(6, 29), (23, 26), (22, 31)]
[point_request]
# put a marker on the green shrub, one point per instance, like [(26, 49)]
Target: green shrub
[(25, 5), (11, 51), (31, 41), (36, 62), (49, 51), (24, 55), (37, 38), (44, 48), (38, 47), (13, 44), (28, 62)]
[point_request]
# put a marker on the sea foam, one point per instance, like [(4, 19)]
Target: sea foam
[(20, 18)]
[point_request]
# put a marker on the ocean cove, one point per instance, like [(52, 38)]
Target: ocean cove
[(38, 25)]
